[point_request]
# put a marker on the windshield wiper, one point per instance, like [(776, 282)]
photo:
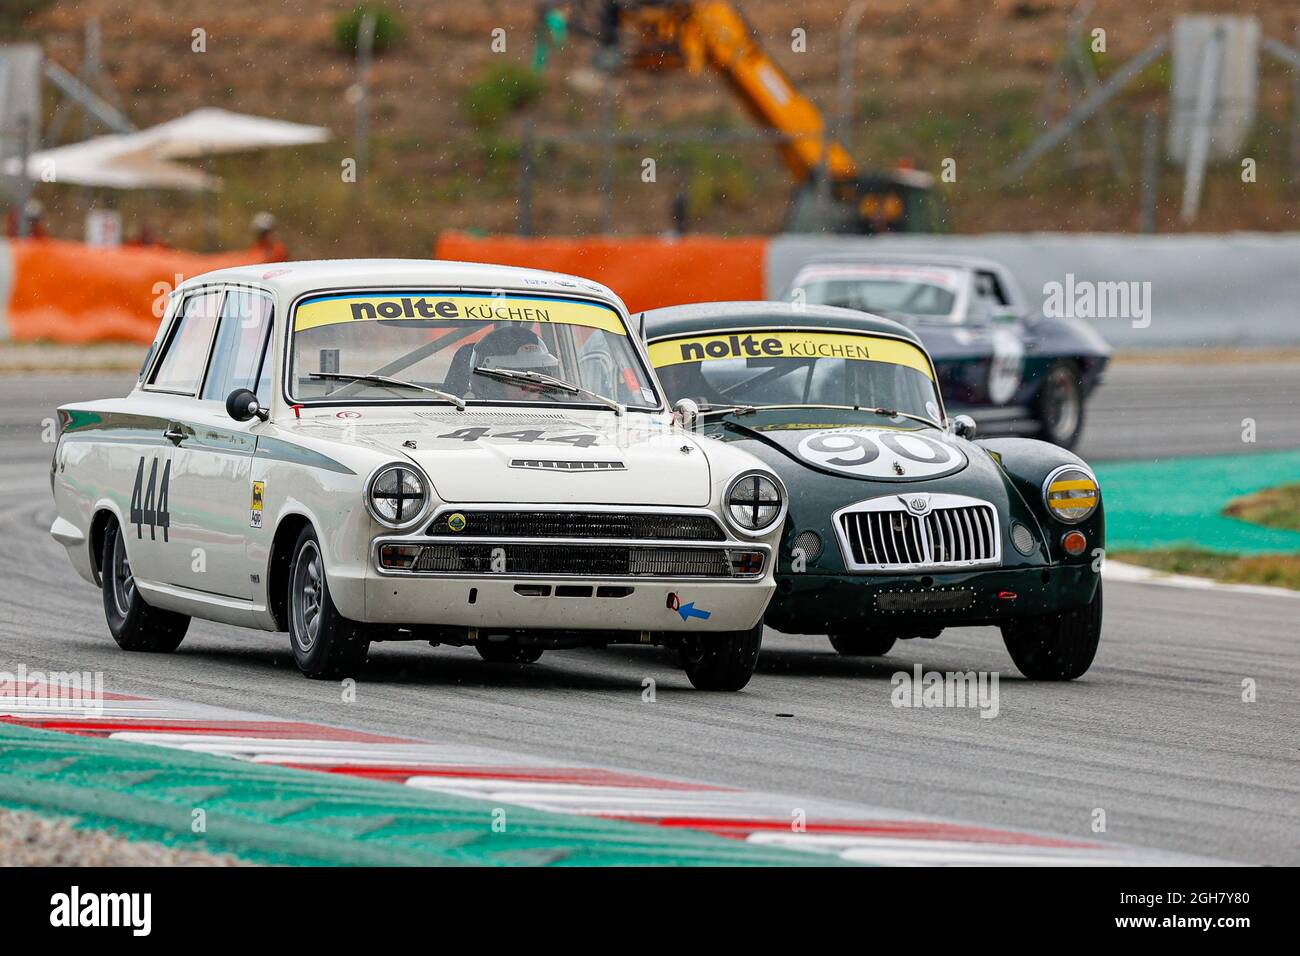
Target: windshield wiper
[(385, 380), (750, 409), (728, 409), (547, 381)]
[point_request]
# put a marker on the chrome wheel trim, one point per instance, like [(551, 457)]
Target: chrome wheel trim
[(123, 581), (1062, 403), (305, 594)]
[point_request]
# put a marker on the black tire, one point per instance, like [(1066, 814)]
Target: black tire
[(1056, 646), (723, 661), (864, 643), (326, 645), (134, 624), (507, 652), (1059, 405)]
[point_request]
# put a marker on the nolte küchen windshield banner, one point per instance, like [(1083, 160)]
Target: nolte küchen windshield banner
[(440, 307), (771, 344)]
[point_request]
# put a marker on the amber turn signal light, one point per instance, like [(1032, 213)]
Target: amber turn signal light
[(1074, 543)]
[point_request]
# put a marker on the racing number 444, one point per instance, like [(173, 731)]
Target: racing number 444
[(149, 503)]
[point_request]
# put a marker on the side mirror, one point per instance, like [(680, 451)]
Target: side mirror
[(963, 426), (688, 412), (242, 404)]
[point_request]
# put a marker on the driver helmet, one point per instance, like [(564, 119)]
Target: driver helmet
[(513, 348)]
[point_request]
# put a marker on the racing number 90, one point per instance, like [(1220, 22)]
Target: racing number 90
[(859, 453), (843, 443)]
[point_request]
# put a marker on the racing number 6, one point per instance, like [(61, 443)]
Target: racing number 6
[(145, 509)]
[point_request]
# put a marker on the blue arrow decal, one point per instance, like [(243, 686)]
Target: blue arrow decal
[(688, 611)]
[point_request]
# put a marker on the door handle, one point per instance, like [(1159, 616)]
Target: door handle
[(174, 434)]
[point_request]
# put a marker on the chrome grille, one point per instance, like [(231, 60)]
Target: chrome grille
[(569, 559), (918, 531), (649, 526)]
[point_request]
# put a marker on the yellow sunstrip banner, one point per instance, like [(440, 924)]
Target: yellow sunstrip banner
[(788, 344), (337, 310)]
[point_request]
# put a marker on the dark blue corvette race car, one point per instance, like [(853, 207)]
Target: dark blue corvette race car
[(997, 362)]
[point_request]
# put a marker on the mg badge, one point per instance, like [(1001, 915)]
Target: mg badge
[(916, 504), (456, 521)]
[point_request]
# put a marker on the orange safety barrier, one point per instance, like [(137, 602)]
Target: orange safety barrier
[(646, 272), (72, 293)]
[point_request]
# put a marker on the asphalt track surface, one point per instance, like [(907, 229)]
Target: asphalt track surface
[(1156, 734)]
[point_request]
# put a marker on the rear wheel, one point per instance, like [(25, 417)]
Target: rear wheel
[(134, 624), (863, 644), (507, 652), (1056, 646), (723, 661), (1059, 405), (326, 645)]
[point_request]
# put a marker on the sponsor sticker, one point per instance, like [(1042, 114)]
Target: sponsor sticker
[(255, 514)]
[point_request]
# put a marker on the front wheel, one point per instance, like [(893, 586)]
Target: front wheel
[(134, 624), (723, 661), (1056, 646), (863, 644), (326, 645)]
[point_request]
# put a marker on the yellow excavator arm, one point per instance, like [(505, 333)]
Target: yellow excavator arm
[(714, 33)]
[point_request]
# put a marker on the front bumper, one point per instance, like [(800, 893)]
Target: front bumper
[(822, 603), (534, 603)]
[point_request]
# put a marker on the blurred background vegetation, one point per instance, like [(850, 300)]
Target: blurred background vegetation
[(946, 79)]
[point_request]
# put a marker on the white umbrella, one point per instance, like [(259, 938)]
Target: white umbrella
[(210, 131), (143, 159), (110, 161)]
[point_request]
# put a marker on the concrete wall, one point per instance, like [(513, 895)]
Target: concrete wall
[(1234, 289)]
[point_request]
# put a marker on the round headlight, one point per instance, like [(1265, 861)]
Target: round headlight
[(396, 495), (1071, 494), (754, 502)]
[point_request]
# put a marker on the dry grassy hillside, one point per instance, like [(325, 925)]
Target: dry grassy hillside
[(934, 79)]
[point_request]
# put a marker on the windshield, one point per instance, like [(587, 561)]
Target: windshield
[(885, 290), (798, 367), (431, 346)]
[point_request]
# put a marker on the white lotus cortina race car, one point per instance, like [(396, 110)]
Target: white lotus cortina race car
[(367, 450)]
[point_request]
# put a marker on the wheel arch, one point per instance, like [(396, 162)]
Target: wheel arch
[(104, 514), (278, 562)]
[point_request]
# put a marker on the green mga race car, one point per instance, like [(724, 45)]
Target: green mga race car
[(899, 524)]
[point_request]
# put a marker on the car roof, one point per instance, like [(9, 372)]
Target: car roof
[(706, 316), (973, 263), (292, 279)]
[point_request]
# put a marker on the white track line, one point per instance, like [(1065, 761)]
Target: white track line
[(1119, 571)]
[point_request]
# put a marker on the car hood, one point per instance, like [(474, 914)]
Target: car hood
[(543, 457), (819, 459), (850, 445)]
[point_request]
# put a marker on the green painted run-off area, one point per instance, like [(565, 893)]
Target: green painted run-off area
[(1178, 502)]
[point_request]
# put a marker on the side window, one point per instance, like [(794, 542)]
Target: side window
[(186, 351), (991, 288), (263, 389), (241, 344)]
